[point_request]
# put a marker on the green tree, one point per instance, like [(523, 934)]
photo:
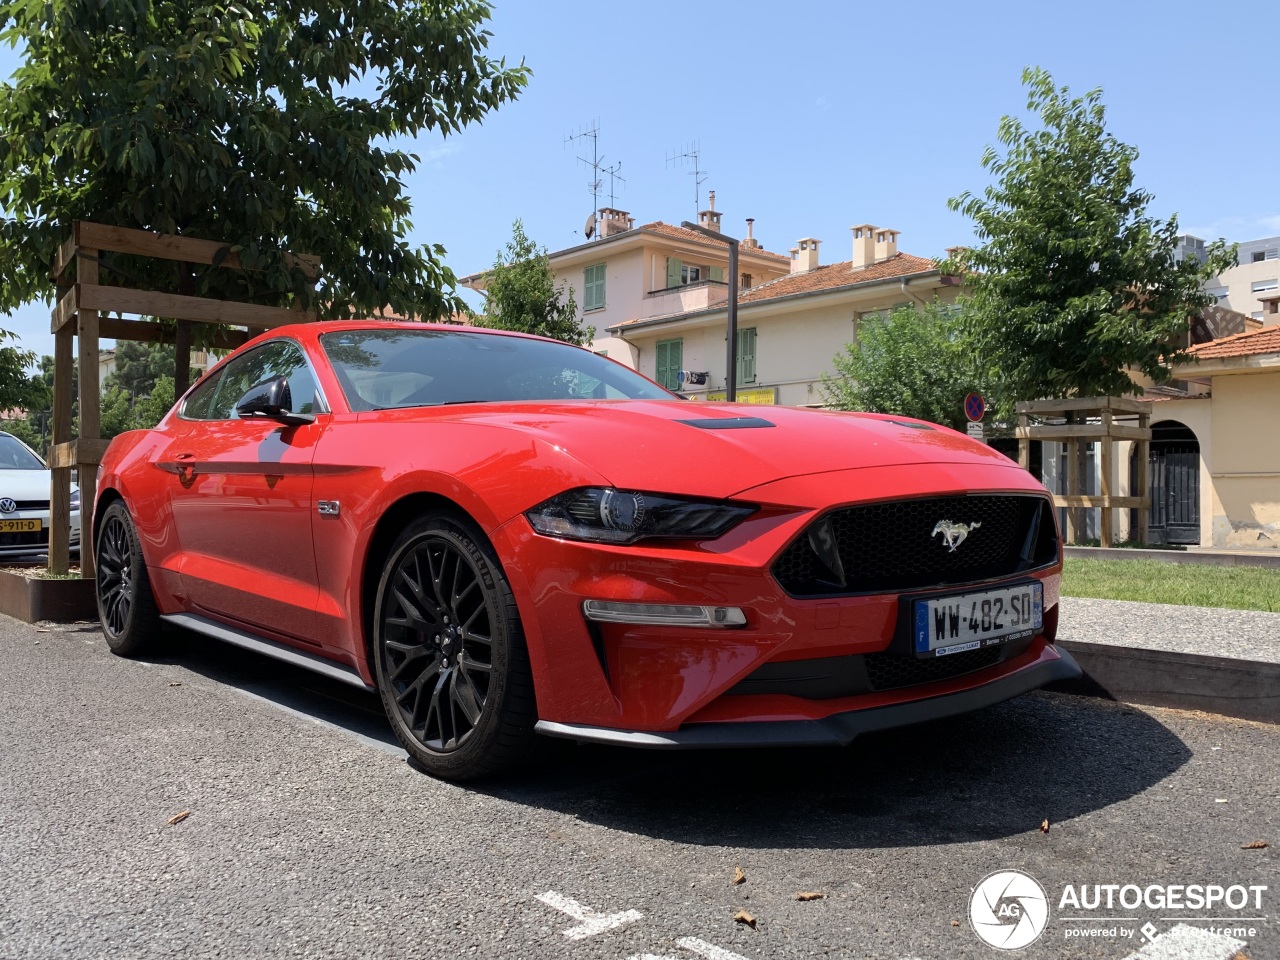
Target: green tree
[(270, 124), (521, 294), (139, 365), (1074, 283), (913, 363)]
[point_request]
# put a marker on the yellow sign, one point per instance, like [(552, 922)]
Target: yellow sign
[(762, 395)]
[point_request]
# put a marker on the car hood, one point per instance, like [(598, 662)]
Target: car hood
[(717, 450), (24, 484)]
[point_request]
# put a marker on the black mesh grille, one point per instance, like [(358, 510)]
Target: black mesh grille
[(889, 671), (35, 538), (896, 545)]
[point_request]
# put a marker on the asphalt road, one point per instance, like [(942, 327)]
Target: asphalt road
[(309, 835)]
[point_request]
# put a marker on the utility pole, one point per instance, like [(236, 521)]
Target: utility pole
[(731, 350)]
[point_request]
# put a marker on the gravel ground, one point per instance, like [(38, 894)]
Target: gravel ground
[(1243, 634)]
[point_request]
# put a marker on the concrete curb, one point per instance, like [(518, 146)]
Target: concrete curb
[(1247, 689), (1205, 557)]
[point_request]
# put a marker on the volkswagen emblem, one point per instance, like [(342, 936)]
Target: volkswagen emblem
[(7, 505), (953, 534)]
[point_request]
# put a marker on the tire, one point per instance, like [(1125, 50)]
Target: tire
[(126, 606), (449, 652)]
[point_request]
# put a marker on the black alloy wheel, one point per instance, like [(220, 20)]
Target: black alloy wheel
[(450, 659), (126, 606)]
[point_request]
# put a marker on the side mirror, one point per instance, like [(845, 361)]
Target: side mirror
[(271, 399)]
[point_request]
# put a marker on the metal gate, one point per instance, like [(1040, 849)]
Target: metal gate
[(1175, 484)]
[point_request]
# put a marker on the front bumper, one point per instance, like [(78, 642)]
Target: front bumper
[(836, 730)]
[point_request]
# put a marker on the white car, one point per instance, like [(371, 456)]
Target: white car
[(24, 502)]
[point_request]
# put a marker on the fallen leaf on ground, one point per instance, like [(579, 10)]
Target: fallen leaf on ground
[(1256, 845), (955, 923), (743, 917), (179, 817), (176, 684), (1044, 825), (739, 876), (1220, 800), (41, 630), (806, 895)]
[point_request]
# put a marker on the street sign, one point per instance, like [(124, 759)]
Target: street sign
[(975, 430), (974, 407)]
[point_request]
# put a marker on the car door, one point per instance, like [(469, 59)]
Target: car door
[(240, 490)]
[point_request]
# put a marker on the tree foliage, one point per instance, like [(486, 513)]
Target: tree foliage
[(1075, 283), (270, 124), (521, 294), (913, 363)]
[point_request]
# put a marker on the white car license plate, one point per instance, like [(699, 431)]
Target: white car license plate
[(970, 621)]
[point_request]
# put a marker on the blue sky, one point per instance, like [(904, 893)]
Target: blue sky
[(812, 117)]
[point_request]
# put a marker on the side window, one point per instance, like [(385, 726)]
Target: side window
[(201, 400), (280, 358)]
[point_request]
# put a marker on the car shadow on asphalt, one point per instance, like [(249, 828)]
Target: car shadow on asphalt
[(995, 773)]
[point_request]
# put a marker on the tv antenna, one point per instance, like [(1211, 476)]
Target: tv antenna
[(691, 154), (615, 177), (591, 133)]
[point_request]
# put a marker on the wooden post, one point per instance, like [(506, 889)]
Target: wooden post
[(1144, 480), (1073, 489), (182, 359), (60, 477), (90, 408), (1105, 529), (1024, 442)]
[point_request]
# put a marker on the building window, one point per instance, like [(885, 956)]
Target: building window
[(593, 288), (1219, 293), (689, 274), (1265, 286), (670, 358), (1259, 256), (747, 355), (744, 281)]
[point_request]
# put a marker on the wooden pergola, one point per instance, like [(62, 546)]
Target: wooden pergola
[(81, 312), (1085, 420)]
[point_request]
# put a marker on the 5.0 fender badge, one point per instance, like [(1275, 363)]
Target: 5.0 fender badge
[(328, 508), (953, 534)]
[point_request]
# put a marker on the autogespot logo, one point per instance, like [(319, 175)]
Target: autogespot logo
[(1008, 910)]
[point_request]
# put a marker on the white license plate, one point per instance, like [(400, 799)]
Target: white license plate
[(970, 621)]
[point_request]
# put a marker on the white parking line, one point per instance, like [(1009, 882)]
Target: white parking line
[(590, 922), (1189, 943), (708, 950)]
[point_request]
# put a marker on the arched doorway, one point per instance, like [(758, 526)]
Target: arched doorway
[(1174, 472)]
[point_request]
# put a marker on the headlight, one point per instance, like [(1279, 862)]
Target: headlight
[(605, 515)]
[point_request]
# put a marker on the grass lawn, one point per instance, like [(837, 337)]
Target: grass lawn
[(1192, 584)]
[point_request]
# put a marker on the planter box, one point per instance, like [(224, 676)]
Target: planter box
[(33, 599)]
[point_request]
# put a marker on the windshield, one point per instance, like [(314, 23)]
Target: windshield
[(382, 369), (14, 455)]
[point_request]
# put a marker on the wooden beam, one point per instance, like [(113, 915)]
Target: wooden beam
[(148, 331), (1079, 501), (64, 311), (1081, 431), (177, 307), (75, 453), (1024, 444), (65, 254), (144, 243), (1083, 404)]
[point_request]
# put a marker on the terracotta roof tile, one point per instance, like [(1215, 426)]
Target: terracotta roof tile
[(834, 275), (1247, 344), (680, 233)]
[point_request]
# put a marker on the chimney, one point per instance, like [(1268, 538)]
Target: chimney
[(613, 221), (864, 245), (804, 256), (886, 244), (751, 243), (709, 218)]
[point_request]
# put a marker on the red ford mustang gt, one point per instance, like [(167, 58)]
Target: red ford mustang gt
[(506, 535)]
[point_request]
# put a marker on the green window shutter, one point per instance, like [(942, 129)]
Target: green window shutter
[(593, 287), (747, 355), (670, 357), (716, 274), (673, 272)]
